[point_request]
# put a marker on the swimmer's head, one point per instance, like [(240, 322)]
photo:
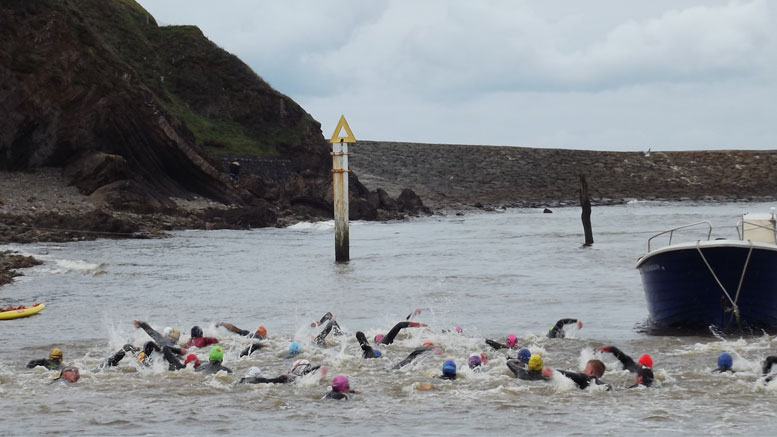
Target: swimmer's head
[(535, 362), (428, 343), (253, 372), (191, 358), (378, 338), (644, 376), (55, 354), (295, 348), (725, 360), (166, 331), (142, 357), (216, 353), (594, 368), (474, 360), (299, 367), (524, 355), (70, 374), (449, 368), (261, 332), (457, 329), (340, 383), (511, 341), (646, 360), (377, 353), (196, 331), (174, 335)]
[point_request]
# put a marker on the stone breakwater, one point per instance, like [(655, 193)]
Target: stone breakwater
[(449, 176)]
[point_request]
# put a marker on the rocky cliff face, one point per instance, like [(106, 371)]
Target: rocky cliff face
[(136, 111)]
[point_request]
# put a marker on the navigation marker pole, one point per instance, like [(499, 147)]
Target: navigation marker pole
[(340, 172)]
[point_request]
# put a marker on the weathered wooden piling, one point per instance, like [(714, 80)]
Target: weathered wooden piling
[(340, 187), (585, 203)]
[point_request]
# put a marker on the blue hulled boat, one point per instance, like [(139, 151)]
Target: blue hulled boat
[(720, 282)]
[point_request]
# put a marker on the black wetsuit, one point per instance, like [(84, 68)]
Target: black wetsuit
[(213, 367), (496, 345), (331, 326), (339, 395), (768, 363), (723, 369), (255, 346), (49, 364), (521, 372), (262, 380), (392, 334), (114, 359), (335, 327), (158, 338), (557, 331), (582, 380), (367, 350), (413, 355), (628, 363), (172, 355)]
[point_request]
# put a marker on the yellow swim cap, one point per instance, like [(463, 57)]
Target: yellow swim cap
[(55, 354), (535, 362), (174, 334), (141, 357)]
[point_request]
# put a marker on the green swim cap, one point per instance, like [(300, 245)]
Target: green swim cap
[(216, 353)]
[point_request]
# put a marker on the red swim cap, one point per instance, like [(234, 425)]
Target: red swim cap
[(646, 361), (191, 358)]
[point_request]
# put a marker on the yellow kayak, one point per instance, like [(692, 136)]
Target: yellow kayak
[(24, 312)]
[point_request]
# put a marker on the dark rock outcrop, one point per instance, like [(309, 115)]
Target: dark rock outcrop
[(95, 170)]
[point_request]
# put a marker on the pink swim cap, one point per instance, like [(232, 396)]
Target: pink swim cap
[(340, 383), (378, 338), (511, 340)]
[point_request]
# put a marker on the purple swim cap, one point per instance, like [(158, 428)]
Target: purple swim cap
[(378, 338), (511, 340), (474, 360), (340, 383)]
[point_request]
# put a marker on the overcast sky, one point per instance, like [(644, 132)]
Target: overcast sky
[(604, 75)]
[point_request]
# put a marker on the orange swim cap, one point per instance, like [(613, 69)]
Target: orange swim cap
[(428, 343), (261, 332)]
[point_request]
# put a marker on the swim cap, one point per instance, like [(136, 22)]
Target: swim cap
[(166, 331), (191, 358), (428, 343), (70, 374), (295, 348), (141, 357), (474, 360), (216, 353), (55, 354), (535, 362), (261, 332), (449, 368), (646, 360), (253, 372), (196, 331), (725, 360), (378, 338), (299, 367), (377, 353), (340, 383), (458, 329), (524, 355), (174, 334), (511, 340)]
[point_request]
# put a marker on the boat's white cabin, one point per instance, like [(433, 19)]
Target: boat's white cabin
[(760, 228)]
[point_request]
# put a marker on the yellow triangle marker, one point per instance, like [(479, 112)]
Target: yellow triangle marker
[(342, 124)]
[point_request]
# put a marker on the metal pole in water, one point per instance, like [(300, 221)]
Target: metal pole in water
[(340, 187)]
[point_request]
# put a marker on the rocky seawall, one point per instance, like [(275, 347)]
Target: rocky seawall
[(449, 176)]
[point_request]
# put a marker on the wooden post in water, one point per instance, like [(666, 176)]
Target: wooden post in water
[(585, 203), (340, 188)]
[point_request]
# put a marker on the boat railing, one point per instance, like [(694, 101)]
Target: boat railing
[(741, 230), (672, 231)]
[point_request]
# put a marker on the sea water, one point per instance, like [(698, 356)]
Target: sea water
[(514, 271)]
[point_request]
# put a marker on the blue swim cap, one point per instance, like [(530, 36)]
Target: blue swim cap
[(295, 348), (725, 360), (449, 368), (524, 355), (377, 353)]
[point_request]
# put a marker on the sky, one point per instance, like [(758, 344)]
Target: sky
[(597, 74)]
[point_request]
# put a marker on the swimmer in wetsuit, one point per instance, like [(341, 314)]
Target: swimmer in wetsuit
[(510, 342), (216, 356), (198, 340), (367, 350), (557, 331), (645, 361), (725, 361), (389, 338), (114, 359), (254, 376), (329, 317), (259, 334), (54, 362), (531, 371), (594, 370), (170, 338), (448, 370), (644, 376), (427, 347), (341, 389)]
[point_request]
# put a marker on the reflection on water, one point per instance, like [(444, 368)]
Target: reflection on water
[(492, 274)]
